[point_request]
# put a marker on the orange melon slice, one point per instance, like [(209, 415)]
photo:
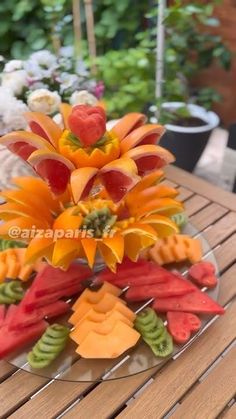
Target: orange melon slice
[(149, 157), (146, 134), (44, 126), (105, 304), (162, 206), (23, 143), (82, 181), (53, 168), (94, 297), (128, 123), (104, 327), (120, 339)]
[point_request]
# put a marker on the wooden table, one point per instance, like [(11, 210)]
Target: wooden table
[(199, 384)]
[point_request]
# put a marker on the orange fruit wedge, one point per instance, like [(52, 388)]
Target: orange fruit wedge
[(135, 201), (89, 246), (67, 220), (128, 123), (39, 247), (53, 168), (149, 157), (65, 110), (138, 237), (44, 126), (24, 143), (31, 184), (82, 181), (146, 134), (12, 210), (112, 250), (162, 206), (118, 177), (148, 180), (65, 251), (28, 224), (162, 225)]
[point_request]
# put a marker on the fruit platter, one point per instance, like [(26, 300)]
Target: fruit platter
[(102, 276)]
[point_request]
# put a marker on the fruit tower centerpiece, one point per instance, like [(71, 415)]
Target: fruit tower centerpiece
[(99, 197)]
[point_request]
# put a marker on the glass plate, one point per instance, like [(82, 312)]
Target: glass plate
[(70, 367)]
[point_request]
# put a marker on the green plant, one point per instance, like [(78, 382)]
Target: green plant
[(129, 74)]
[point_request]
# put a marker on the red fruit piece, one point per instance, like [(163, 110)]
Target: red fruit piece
[(180, 325), (173, 286), (88, 123), (203, 273), (2, 314), (11, 340), (194, 302), (55, 309)]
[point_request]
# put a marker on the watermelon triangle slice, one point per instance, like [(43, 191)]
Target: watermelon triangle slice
[(194, 302), (173, 286), (2, 314)]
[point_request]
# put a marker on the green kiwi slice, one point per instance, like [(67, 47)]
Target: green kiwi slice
[(48, 340), (164, 347), (36, 362), (145, 317), (156, 331), (52, 349), (57, 330)]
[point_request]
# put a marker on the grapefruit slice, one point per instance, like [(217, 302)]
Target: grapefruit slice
[(146, 134), (23, 143), (128, 123), (119, 177), (31, 184), (53, 168), (65, 110), (44, 126), (162, 206), (149, 157), (82, 181), (161, 224)]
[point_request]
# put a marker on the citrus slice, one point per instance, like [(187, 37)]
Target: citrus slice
[(68, 221), (53, 168), (162, 225), (24, 143), (65, 251), (21, 228), (128, 123), (65, 110), (162, 206), (119, 177), (31, 184), (89, 246), (151, 179), (138, 237), (149, 157), (39, 247), (82, 181), (112, 250), (146, 134), (12, 210), (44, 126)]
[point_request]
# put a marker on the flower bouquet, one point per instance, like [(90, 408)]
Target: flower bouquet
[(99, 198), (41, 83)]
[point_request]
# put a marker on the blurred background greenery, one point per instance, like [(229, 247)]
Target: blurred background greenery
[(126, 40)]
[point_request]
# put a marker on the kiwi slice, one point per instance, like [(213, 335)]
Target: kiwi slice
[(38, 353), (48, 340), (36, 362), (52, 349), (145, 317), (57, 330), (164, 347), (157, 330)]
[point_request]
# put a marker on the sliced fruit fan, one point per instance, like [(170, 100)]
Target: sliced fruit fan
[(99, 198)]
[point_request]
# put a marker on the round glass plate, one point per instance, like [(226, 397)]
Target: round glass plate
[(70, 367)]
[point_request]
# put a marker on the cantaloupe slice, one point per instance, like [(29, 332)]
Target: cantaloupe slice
[(105, 304), (112, 345), (104, 327), (94, 297), (119, 309)]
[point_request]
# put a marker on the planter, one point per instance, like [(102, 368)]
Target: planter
[(188, 143)]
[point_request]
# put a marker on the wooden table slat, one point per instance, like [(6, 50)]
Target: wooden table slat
[(201, 187), (209, 397), (208, 216), (231, 412), (222, 229), (184, 193), (6, 370), (195, 204)]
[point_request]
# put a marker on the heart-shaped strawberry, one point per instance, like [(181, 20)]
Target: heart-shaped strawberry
[(87, 123), (181, 325)]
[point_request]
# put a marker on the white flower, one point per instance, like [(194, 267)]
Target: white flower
[(42, 100), (83, 98), (13, 65), (11, 112), (44, 59), (15, 81), (68, 81)]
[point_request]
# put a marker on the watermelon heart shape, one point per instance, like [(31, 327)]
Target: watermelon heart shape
[(181, 325)]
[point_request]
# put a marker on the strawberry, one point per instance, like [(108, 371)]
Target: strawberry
[(88, 123)]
